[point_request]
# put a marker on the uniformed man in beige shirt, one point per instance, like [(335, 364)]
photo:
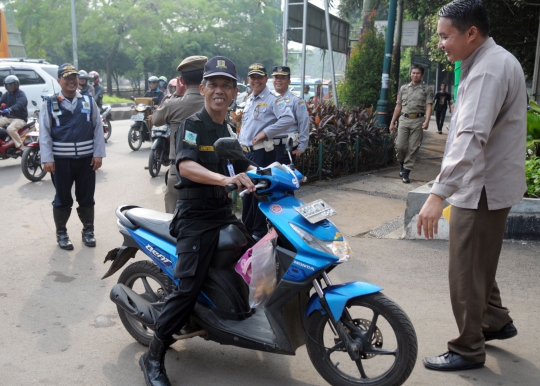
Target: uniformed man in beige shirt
[(482, 176), (173, 111), (413, 109)]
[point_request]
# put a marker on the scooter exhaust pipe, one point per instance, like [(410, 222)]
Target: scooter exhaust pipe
[(135, 305)]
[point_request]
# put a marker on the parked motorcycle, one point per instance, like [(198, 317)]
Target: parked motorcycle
[(140, 129), (7, 146), (354, 334), (106, 119), (159, 154)]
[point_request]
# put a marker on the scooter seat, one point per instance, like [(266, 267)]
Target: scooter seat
[(153, 221)]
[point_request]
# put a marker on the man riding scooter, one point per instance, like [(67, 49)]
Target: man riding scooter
[(13, 104), (154, 92), (93, 77), (84, 86)]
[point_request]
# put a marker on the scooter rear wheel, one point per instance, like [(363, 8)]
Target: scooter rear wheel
[(31, 164), (385, 334), (151, 283)]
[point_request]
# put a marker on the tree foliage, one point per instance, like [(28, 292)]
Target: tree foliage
[(141, 38), (361, 86)]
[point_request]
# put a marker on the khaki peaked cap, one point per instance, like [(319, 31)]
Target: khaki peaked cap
[(192, 63)]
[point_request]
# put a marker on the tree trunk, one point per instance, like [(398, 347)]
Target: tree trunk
[(368, 8), (110, 59)]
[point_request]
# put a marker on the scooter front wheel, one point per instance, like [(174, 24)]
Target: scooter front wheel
[(384, 333), (31, 164), (107, 131), (135, 138), (151, 283), (154, 161)]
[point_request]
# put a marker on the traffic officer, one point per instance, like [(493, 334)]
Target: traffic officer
[(299, 132), (15, 112), (174, 110), (72, 147), (266, 116), (413, 109), (203, 208)]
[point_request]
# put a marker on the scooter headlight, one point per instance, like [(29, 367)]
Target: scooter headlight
[(340, 249)]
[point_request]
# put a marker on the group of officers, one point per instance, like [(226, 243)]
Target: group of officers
[(195, 189)]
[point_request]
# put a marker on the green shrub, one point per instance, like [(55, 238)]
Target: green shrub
[(362, 84), (115, 99), (532, 173)]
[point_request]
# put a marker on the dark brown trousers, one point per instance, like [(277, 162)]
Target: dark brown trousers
[(476, 237)]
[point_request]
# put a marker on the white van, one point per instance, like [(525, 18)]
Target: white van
[(37, 78)]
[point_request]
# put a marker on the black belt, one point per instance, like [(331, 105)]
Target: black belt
[(414, 116), (192, 193)]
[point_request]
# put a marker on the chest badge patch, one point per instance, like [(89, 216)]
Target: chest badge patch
[(190, 137)]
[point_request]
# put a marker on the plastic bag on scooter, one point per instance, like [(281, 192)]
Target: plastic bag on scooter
[(258, 268)]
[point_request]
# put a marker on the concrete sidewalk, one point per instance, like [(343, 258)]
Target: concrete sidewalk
[(373, 204)]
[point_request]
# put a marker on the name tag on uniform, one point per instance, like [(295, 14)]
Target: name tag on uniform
[(206, 148), (261, 104), (85, 107)]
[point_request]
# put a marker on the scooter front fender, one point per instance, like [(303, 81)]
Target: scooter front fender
[(337, 297), (157, 143)]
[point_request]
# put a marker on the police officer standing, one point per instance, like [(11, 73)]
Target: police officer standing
[(175, 110), (413, 109), (72, 147), (15, 112), (299, 132), (202, 210), (265, 117)]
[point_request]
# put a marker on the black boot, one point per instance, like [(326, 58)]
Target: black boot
[(401, 170), (86, 215), (406, 176), (153, 363), (61, 217)]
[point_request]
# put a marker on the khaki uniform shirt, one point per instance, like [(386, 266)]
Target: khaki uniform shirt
[(487, 137), (414, 99), (175, 110)]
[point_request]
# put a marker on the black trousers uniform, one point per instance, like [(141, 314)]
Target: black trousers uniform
[(69, 171), (201, 211)]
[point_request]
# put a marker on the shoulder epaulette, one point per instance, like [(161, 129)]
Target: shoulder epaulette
[(275, 93)]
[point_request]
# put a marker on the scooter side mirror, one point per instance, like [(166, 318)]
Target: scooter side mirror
[(228, 148), (132, 98), (289, 145), (34, 103)]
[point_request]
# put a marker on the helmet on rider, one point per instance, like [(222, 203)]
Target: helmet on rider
[(153, 82), (11, 80), (93, 76), (172, 86), (162, 82), (83, 76)]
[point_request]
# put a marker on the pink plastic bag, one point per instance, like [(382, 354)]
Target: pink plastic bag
[(258, 268)]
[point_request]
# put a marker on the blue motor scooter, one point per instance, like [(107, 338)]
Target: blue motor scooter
[(354, 334)]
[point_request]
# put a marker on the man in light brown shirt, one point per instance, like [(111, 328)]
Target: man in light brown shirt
[(482, 176), (175, 110)]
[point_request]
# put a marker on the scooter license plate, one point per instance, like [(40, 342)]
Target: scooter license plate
[(137, 117), (315, 211)]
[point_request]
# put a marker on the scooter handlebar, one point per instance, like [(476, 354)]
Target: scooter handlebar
[(229, 188), (260, 185)]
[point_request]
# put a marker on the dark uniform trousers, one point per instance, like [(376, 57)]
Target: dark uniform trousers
[(196, 226), (476, 237), (68, 171), (440, 115), (253, 218)]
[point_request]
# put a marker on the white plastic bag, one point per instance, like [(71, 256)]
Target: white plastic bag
[(263, 270)]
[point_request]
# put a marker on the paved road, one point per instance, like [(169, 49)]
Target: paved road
[(60, 328)]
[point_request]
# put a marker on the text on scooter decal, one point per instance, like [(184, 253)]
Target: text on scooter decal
[(304, 265), (161, 257)]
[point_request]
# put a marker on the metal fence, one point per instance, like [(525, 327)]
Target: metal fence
[(329, 159)]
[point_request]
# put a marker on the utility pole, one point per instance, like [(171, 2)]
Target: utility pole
[(74, 34), (396, 52), (536, 74), (382, 105)]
